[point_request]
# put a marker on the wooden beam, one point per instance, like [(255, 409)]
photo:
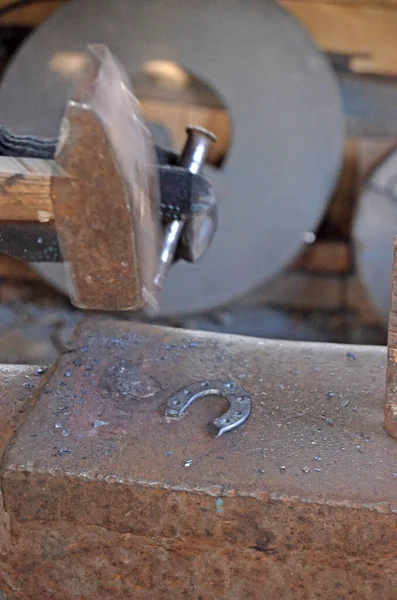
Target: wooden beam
[(16, 270), (25, 189), (346, 26), (353, 3), (352, 29), (29, 15)]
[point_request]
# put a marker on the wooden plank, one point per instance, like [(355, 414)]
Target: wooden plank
[(350, 29), (33, 14), (25, 189), (353, 3), (30, 15), (357, 26), (340, 214), (16, 270), (346, 26), (325, 257), (372, 152)]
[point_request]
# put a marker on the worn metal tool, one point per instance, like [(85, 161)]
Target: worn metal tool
[(106, 206), (98, 202), (290, 120)]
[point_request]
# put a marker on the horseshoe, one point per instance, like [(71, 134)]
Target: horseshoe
[(238, 412)]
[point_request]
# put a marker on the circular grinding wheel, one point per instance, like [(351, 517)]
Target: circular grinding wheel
[(283, 101), (375, 228)]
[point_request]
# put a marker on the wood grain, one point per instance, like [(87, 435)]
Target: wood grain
[(30, 15), (353, 3), (25, 189), (16, 270), (346, 26), (367, 30)]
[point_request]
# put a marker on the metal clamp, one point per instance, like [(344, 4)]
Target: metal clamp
[(239, 410)]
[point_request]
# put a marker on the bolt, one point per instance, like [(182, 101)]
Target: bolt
[(193, 157), (196, 148)]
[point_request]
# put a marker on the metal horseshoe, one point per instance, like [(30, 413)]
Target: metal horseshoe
[(238, 412)]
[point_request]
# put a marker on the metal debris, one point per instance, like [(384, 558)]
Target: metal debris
[(41, 370)]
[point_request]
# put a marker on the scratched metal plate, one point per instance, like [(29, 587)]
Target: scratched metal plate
[(287, 131)]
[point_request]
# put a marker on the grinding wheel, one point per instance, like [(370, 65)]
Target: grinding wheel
[(283, 101), (375, 228)]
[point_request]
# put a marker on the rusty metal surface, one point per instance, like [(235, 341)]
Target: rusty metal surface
[(17, 388), (107, 498), (105, 209), (391, 379), (122, 374)]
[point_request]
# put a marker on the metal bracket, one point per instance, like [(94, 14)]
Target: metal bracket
[(239, 410)]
